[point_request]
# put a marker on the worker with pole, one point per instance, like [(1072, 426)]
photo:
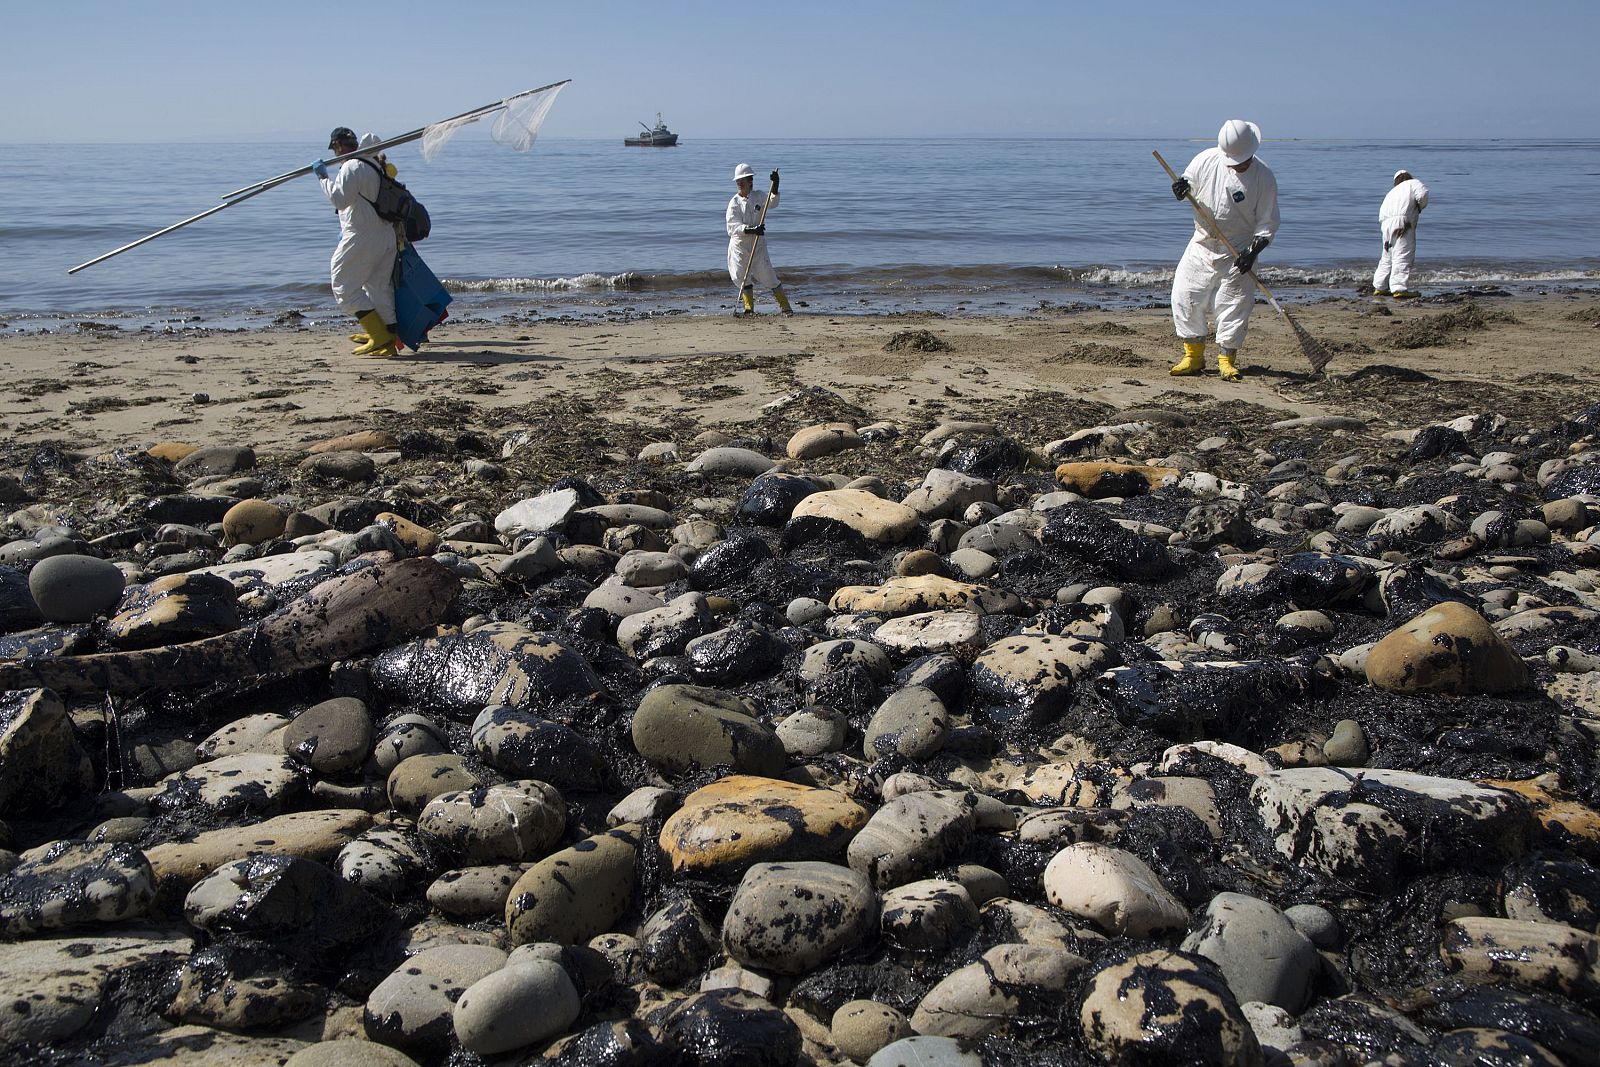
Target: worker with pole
[(746, 220), (363, 262), (1240, 194)]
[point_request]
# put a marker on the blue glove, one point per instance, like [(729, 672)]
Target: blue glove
[(320, 169)]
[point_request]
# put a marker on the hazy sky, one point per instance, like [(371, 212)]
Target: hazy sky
[(270, 70)]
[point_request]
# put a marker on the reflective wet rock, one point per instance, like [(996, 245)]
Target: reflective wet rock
[(731, 1028), (1085, 533), (501, 663)]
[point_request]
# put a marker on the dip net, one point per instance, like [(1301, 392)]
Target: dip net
[(516, 124)]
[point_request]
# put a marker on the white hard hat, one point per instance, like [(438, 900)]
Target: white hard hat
[(743, 171), (369, 139), (1238, 140), (1401, 174)]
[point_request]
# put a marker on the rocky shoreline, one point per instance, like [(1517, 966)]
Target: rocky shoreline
[(1186, 732)]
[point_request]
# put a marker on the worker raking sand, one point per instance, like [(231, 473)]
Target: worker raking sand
[(1241, 193)]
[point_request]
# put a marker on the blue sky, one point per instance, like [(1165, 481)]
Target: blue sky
[(271, 70)]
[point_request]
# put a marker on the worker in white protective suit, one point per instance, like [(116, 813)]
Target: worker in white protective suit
[(1242, 193), (1397, 222), (363, 262), (748, 264)]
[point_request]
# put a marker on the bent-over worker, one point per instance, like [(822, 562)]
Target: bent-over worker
[(1397, 222), (1242, 193), (746, 249)]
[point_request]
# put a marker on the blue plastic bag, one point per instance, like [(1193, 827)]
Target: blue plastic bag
[(420, 302)]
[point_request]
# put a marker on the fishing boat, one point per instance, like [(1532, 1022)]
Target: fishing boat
[(653, 137)]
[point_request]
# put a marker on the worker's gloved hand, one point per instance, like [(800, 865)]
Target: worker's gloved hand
[(774, 177), (1405, 228), (757, 230), (1180, 188), (1247, 258), (320, 169)]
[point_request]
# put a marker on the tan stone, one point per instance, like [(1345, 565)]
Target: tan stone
[(316, 835), (1560, 816), (421, 539), (813, 442), (1448, 648), (742, 819), (360, 441), (923, 592), (171, 451), (874, 518), (1097, 479), (577, 893), (250, 522), (1538, 955)]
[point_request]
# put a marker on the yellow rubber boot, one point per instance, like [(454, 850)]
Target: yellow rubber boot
[(783, 300), (1225, 368), (360, 338), (380, 342), (747, 297), (1193, 361)]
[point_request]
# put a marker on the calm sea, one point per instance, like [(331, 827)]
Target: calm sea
[(588, 226)]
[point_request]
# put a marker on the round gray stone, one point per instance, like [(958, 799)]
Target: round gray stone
[(332, 736), (75, 588), (516, 1006), (912, 722), (794, 917)]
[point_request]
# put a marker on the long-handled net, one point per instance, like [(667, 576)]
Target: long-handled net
[(517, 122)]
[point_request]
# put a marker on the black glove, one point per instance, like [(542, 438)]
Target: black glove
[(1180, 188), (1247, 258), (757, 230), (774, 177)]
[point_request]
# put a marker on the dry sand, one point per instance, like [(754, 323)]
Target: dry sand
[(672, 376)]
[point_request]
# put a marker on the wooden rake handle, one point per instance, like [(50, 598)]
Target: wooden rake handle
[(761, 220), (1210, 222)]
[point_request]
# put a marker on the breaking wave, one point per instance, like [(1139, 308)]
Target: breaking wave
[(992, 277)]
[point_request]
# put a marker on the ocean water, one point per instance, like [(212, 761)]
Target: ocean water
[(592, 227)]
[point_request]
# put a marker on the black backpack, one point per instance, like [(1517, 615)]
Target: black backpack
[(396, 204)]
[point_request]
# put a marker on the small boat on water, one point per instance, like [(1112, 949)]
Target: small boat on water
[(657, 137)]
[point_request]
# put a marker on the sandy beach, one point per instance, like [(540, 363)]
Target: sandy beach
[(669, 377)]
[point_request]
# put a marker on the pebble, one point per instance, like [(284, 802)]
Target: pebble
[(514, 1007), (1261, 954), (1167, 1007), (681, 728), (512, 821), (575, 894), (794, 917), (911, 835), (330, 737), (71, 588), (860, 1028), (742, 819), (75, 885), (1113, 889)]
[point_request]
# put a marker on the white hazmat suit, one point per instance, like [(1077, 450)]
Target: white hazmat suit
[(746, 247), (363, 263), (1397, 222), (1246, 206)]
